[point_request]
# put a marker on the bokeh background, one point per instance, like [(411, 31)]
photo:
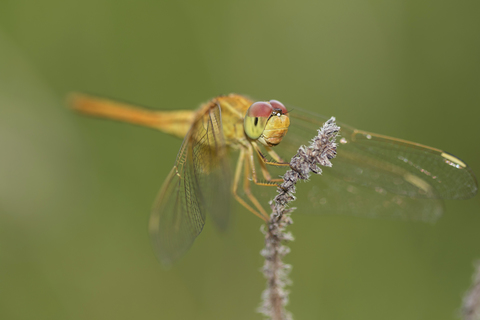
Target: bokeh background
[(75, 193)]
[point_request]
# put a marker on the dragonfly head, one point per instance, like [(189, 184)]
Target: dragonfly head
[(266, 122)]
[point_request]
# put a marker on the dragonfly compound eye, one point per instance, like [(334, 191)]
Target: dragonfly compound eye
[(256, 119), (277, 105)]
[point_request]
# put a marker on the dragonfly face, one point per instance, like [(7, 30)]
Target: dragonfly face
[(267, 122)]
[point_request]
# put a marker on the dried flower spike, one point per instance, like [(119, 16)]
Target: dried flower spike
[(320, 151), (471, 301)]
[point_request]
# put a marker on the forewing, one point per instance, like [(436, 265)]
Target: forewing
[(192, 189), (212, 166), (390, 174)]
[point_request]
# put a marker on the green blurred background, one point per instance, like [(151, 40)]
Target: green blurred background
[(75, 193)]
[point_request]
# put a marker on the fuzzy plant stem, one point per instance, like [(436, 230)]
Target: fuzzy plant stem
[(320, 151), (471, 301)]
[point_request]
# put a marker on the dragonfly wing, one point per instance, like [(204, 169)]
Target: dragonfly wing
[(212, 166), (408, 168), (383, 165), (198, 183), (331, 195)]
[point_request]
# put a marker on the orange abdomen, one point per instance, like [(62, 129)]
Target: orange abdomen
[(176, 123)]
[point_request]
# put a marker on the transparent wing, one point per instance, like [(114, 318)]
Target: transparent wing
[(378, 175), (198, 183), (329, 195)]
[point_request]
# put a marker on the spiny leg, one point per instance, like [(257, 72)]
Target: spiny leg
[(236, 181), (246, 184), (263, 162), (278, 161), (265, 173), (276, 157)]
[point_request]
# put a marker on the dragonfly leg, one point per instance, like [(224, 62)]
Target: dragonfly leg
[(266, 174), (276, 157), (238, 171), (278, 161), (263, 162), (246, 184)]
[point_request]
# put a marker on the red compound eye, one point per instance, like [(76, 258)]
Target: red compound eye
[(278, 105), (260, 109)]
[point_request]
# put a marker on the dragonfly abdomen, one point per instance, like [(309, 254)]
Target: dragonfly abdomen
[(176, 123)]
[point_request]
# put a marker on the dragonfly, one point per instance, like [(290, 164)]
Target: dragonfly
[(372, 175)]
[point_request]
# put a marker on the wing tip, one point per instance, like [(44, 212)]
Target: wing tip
[(458, 163)]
